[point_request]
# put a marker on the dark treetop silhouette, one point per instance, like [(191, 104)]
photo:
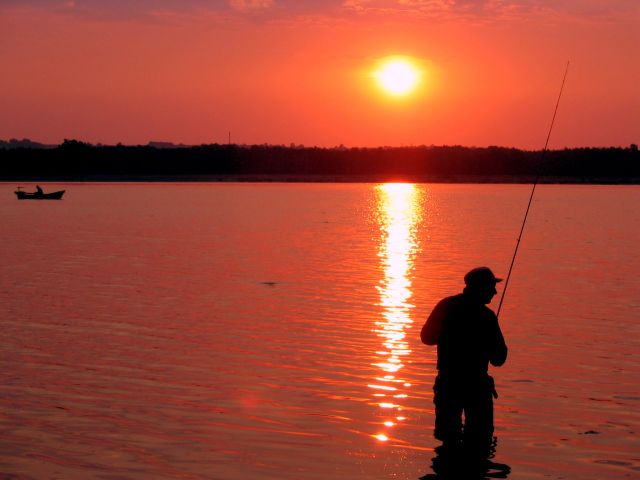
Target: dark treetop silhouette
[(78, 161), (468, 337)]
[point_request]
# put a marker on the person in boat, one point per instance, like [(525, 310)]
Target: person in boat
[(39, 191), (468, 338)]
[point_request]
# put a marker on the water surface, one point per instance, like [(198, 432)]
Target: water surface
[(233, 331)]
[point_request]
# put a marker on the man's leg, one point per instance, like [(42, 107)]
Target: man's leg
[(448, 403), (478, 416)]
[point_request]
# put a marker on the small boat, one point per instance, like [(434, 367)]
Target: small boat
[(39, 196)]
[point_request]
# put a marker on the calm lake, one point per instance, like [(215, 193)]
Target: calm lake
[(271, 331)]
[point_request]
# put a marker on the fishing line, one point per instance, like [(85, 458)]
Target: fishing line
[(533, 190)]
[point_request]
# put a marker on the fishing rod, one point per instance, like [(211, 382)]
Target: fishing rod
[(533, 190)]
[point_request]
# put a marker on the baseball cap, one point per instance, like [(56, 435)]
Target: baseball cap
[(480, 276)]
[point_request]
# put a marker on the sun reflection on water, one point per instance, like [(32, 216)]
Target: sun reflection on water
[(399, 213)]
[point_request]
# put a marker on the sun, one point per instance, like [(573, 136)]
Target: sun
[(398, 75)]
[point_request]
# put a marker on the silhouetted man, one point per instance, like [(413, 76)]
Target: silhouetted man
[(39, 191), (468, 337)]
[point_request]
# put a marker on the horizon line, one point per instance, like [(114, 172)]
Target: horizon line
[(293, 145)]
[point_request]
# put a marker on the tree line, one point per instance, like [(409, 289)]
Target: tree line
[(75, 160)]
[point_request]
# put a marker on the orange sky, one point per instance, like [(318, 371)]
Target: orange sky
[(283, 71)]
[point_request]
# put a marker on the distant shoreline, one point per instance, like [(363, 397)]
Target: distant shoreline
[(454, 179), (81, 162)]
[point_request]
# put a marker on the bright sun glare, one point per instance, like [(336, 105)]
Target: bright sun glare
[(398, 76)]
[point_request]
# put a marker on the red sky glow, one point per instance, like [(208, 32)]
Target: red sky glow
[(285, 71)]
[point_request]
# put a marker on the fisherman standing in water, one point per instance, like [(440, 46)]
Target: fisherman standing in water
[(468, 337)]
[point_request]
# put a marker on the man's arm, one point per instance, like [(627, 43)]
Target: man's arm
[(431, 330), (499, 347)]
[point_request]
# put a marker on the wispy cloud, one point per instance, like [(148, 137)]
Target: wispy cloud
[(281, 9), (497, 8), (250, 5)]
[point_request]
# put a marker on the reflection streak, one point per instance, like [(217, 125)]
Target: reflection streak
[(399, 214)]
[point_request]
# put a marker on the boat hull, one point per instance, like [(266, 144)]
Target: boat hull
[(42, 196)]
